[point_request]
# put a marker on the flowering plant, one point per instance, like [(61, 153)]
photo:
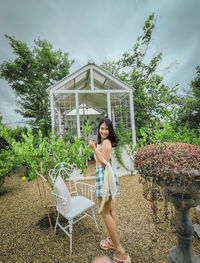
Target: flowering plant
[(168, 160), (164, 164)]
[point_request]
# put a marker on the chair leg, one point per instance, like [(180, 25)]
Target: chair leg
[(70, 234), (56, 223), (93, 214)]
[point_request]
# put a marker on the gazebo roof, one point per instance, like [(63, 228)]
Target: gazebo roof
[(80, 80), (92, 82)]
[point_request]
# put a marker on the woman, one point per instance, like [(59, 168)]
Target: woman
[(104, 177)]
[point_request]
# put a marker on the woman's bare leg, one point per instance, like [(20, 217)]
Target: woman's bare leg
[(112, 211), (110, 221)]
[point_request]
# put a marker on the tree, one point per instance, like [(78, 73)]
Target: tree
[(189, 111), (151, 97), (30, 74), (195, 113)]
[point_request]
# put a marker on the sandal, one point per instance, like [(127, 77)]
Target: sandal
[(127, 260), (105, 244)]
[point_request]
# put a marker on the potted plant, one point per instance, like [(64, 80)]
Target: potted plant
[(173, 168)]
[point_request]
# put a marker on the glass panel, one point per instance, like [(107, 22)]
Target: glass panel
[(112, 85), (81, 76), (120, 110), (68, 85), (64, 121), (99, 77), (93, 107)]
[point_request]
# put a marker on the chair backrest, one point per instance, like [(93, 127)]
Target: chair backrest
[(63, 196), (62, 168)]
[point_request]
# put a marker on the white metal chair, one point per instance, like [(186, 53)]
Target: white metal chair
[(74, 207), (62, 168)]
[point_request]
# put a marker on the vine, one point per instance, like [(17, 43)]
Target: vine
[(125, 143)]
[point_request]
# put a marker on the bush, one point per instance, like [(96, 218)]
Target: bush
[(9, 162), (176, 166), (167, 132), (168, 160), (39, 151)]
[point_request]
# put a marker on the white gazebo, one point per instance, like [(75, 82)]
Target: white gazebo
[(90, 93)]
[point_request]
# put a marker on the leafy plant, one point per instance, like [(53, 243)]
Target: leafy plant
[(189, 109), (124, 143), (49, 152), (167, 132), (32, 151), (17, 133), (9, 162), (166, 163)]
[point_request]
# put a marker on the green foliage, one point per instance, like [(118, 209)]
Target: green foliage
[(36, 152), (124, 135), (124, 143), (17, 133), (30, 74), (32, 152), (9, 162), (167, 132), (69, 136), (189, 110)]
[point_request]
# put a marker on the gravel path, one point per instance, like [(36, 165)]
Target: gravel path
[(25, 235)]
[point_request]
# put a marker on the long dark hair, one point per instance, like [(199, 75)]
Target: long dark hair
[(112, 136)]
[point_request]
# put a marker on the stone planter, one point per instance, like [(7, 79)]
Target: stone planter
[(183, 196), (180, 185), (182, 252), (197, 225)]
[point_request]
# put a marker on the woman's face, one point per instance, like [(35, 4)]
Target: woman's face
[(103, 131)]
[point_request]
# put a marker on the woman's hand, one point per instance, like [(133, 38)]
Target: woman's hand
[(91, 145)]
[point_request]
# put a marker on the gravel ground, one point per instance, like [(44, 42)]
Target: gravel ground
[(25, 234)]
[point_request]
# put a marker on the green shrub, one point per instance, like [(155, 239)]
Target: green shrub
[(34, 151), (9, 162), (167, 132)]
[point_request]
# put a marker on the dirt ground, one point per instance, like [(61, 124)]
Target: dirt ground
[(26, 237)]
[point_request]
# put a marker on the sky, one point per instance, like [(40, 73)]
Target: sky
[(102, 30)]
